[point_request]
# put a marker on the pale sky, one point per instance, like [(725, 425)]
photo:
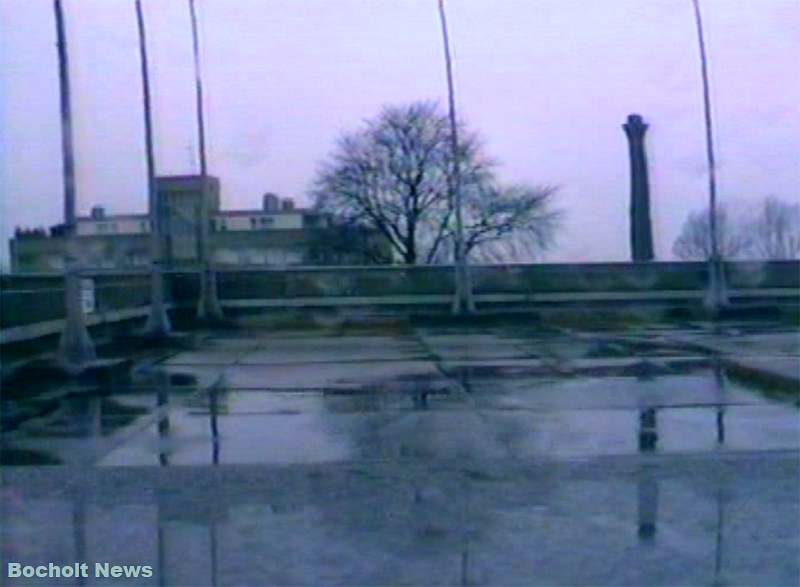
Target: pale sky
[(547, 83)]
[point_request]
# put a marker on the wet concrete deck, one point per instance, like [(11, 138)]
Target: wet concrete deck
[(429, 456)]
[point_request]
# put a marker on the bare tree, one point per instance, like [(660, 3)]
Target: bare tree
[(392, 176), (518, 216), (772, 233), (346, 243), (695, 240), (775, 232)]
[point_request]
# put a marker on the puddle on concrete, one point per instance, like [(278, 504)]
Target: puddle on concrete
[(471, 412), (487, 393)]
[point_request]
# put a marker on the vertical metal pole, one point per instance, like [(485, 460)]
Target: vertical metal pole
[(158, 322), (75, 348), (208, 306), (462, 302), (717, 296)]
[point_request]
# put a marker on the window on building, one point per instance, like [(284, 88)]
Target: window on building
[(252, 222)]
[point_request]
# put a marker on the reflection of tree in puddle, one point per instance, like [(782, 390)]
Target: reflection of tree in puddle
[(422, 417)]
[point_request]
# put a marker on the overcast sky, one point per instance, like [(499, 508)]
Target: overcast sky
[(547, 83)]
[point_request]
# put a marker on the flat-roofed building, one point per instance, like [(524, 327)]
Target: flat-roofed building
[(277, 234)]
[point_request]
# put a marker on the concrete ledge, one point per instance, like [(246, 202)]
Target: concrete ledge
[(778, 371), (499, 298), (49, 327)]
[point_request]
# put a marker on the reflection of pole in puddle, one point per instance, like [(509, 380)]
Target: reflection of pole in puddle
[(420, 400), (648, 506), (162, 401), (161, 542), (465, 378), (79, 531), (466, 529), (188, 518), (213, 409), (720, 527), (212, 530), (648, 430), (719, 378), (85, 417)]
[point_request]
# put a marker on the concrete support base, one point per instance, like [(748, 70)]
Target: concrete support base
[(158, 324), (97, 371), (169, 340), (716, 299), (208, 307), (463, 300), (75, 347)]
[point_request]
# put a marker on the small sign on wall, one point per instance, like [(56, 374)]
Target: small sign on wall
[(87, 295)]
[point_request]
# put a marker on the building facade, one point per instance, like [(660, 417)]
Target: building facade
[(276, 234)]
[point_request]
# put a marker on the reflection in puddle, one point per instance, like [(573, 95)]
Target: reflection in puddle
[(648, 432), (15, 457), (471, 522), (479, 412), (647, 510)]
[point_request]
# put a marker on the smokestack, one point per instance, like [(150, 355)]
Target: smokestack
[(287, 205), (641, 231)]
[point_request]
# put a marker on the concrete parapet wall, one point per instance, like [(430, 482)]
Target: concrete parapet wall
[(499, 279), (34, 299), (28, 299)]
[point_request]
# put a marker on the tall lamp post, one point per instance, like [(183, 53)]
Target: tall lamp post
[(208, 306), (717, 295), (463, 300), (158, 322), (75, 347)]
